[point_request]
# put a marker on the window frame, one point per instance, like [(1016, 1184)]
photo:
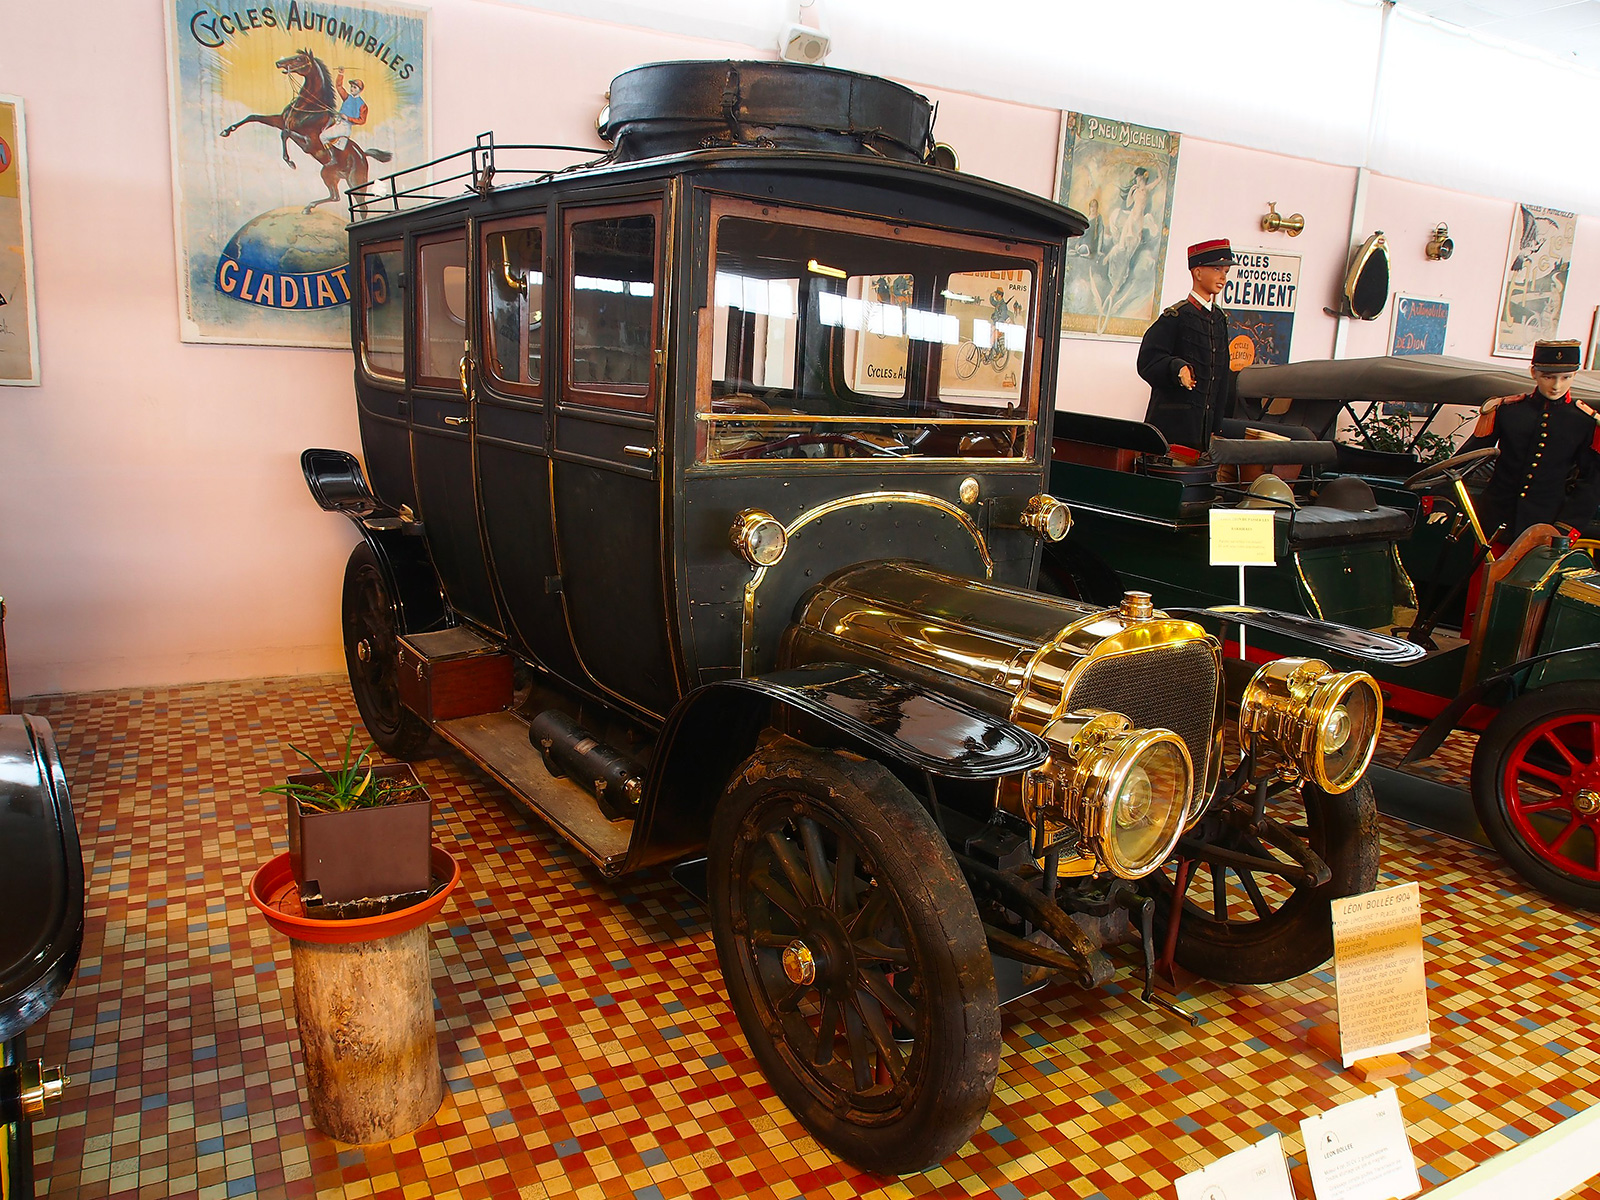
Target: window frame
[(490, 367), (789, 212), (374, 373), (419, 312), (642, 400)]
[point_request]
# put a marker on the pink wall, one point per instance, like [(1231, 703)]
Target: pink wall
[(155, 528)]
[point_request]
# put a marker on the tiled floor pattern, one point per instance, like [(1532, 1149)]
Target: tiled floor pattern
[(586, 1043)]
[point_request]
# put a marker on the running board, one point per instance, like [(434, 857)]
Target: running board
[(498, 742)]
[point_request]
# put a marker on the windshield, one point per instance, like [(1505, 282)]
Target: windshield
[(838, 337)]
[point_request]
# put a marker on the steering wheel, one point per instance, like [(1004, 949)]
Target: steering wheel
[(1452, 469), (766, 449)]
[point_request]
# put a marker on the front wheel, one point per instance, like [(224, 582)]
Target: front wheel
[(372, 656), (967, 361), (854, 957), (1244, 924), (1536, 789)]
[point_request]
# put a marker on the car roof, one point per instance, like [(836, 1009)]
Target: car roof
[(1424, 378), (1001, 199)]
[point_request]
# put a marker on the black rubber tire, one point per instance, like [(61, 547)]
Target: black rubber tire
[(1296, 935), (929, 987), (1577, 699), (368, 616)]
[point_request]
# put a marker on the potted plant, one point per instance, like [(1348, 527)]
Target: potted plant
[(359, 831)]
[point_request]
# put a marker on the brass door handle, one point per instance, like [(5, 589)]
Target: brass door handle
[(456, 420), (640, 451), (466, 393)]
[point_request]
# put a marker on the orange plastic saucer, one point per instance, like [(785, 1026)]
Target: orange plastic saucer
[(274, 891)]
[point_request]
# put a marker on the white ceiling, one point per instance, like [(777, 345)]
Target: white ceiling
[(1568, 29)]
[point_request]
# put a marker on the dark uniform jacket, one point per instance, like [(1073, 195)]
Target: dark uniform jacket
[(1187, 334), (1549, 464)]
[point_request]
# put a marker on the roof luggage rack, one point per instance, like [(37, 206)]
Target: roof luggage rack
[(474, 169)]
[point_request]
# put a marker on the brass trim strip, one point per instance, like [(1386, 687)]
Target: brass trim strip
[(747, 618), (1410, 588), (806, 419), (1300, 571)]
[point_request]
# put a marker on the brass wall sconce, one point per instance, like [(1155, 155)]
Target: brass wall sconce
[(1275, 222), (1440, 244)]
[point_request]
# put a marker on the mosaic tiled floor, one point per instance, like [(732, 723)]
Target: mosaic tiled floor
[(586, 1043)]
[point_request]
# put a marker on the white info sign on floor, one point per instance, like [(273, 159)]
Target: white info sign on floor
[(1255, 1173), (1359, 1151)]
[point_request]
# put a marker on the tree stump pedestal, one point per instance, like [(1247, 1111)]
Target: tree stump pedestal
[(364, 1006)]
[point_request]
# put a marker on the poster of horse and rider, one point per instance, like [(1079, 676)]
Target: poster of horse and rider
[(277, 112), (1121, 177)]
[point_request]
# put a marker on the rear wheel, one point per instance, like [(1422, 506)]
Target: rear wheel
[(853, 956), (1536, 789), (372, 656), (1250, 924)]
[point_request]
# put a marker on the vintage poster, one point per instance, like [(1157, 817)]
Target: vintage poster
[(1535, 279), (983, 328), (277, 112), (19, 325), (1120, 177), (1419, 325), (1259, 299)]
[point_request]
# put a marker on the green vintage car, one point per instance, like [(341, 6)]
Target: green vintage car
[(1519, 664)]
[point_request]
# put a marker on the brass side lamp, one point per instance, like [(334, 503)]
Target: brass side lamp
[(1440, 244)]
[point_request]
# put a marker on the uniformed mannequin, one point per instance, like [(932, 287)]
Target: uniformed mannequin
[(1548, 471), (1184, 355)]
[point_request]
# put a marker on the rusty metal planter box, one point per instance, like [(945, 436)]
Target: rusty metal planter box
[(365, 852)]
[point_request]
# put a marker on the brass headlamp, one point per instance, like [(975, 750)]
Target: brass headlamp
[(1126, 790), (1298, 717)]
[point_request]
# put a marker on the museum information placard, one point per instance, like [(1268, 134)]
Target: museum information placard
[(1242, 537), (1257, 1172), (1359, 1151), (1379, 974)]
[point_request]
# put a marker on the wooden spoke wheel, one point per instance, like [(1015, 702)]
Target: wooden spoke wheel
[(1249, 913), (854, 957)]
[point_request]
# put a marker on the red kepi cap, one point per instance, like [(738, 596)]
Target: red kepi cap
[(1214, 253)]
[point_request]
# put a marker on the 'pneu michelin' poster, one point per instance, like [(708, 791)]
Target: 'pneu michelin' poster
[(278, 110)]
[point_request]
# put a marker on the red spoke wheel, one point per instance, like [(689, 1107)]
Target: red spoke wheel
[(372, 656), (854, 957), (1536, 789)]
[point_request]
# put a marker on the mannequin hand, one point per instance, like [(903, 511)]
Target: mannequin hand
[(1186, 377)]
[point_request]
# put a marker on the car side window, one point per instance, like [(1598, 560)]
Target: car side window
[(611, 277), (441, 309), (513, 273), (383, 346)]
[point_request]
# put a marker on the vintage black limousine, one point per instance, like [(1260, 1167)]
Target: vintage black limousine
[(707, 489)]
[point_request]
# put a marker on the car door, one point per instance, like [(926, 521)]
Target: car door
[(511, 435), (442, 415), (606, 453)]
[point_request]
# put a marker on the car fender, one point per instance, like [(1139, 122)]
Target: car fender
[(338, 486), (715, 727), (1431, 738)]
